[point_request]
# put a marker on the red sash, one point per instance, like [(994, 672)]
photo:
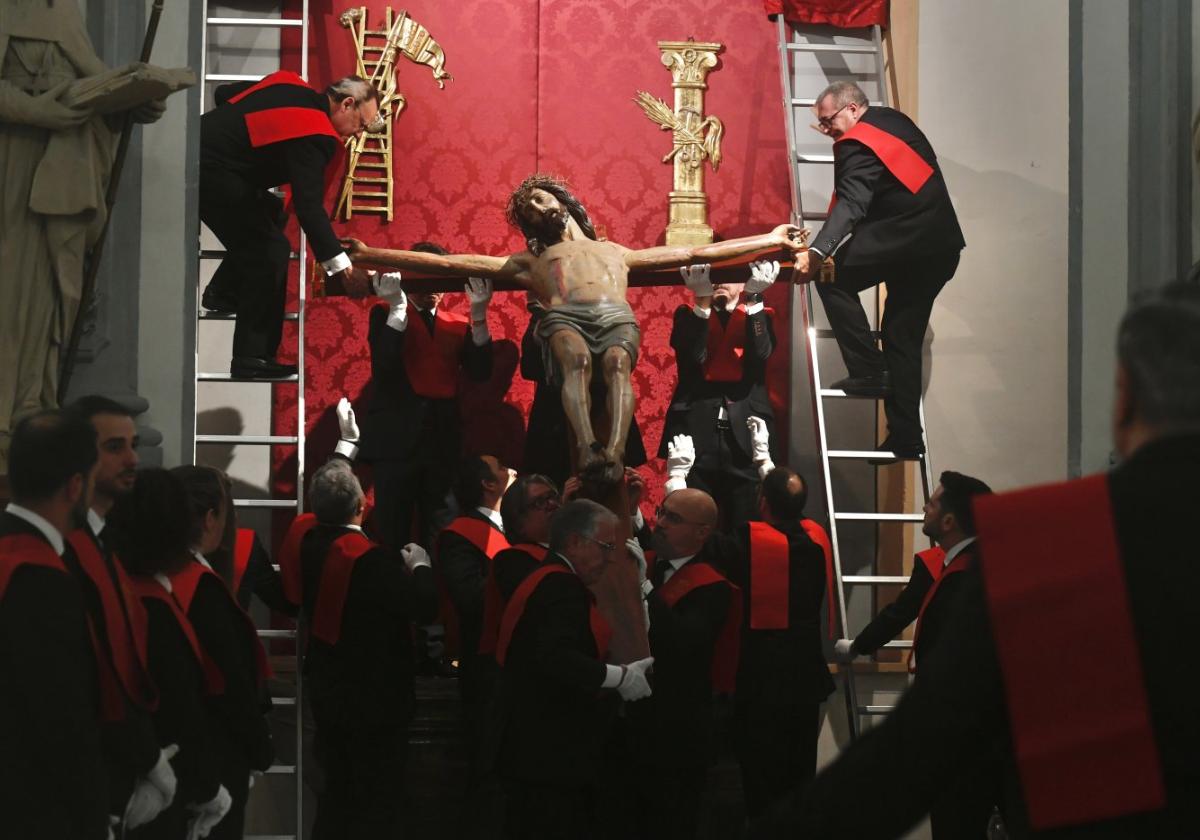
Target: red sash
[(934, 560), (242, 547), (960, 563), (289, 557), (214, 681), (27, 550), (274, 125), (493, 602), (431, 361), (184, 583), (1081, 729), (769, 574), (909, 168), (725, 652), (489, 541), (601, 630), (125, 622), (818, 535), (335, 584)]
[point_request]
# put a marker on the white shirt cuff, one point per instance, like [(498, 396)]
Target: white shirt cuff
[(647, 588), (754, 308), (397, 319), (480, 335), (764, 467), (674, 483), (639, 521), (335, 264), (702, 311), (612, 676), (347, 448)]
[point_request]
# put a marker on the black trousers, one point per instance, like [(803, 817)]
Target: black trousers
[(776, 745), (540, 811), (410, 497), (912, 287), (362, 755), (255, 267), (726, 473)]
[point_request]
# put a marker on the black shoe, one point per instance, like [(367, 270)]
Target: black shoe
[(879, 385), (218, 302), (898, 452), (253, 367)]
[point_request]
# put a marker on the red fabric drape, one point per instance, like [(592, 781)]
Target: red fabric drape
[(846, 14)]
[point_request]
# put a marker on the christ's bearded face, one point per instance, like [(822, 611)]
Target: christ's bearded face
[(545, 216)]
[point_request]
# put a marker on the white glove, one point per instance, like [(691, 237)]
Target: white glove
[(146, 803), (479, 293), (209, 814), (681, 455), (347, 425), (387, 286), (760, 442), (762, 275), (695, 277), (843, 650), (255, 775), (634, 685), (414, 556), (162, 775)]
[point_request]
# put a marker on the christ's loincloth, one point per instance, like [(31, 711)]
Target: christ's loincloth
[(602, 325)]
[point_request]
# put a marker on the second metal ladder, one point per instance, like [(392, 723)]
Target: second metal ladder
[(855, 55)]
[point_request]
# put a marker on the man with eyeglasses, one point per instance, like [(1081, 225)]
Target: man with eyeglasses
[(262, 135), (695, 617), (552, 649), (891, 222)]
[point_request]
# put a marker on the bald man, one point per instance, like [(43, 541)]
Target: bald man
[(693, 611)]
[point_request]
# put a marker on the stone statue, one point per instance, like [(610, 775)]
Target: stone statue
[(54, 164), (581, 281)]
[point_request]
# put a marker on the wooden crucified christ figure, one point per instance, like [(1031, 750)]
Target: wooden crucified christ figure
[(581, 282)]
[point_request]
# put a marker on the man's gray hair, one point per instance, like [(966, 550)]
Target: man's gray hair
[(355, 86), (334, 493), (581, 517), (1158, 345), (843, 94)]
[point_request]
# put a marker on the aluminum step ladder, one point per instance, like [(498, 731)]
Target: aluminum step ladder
[(203, 378), (852, 55)]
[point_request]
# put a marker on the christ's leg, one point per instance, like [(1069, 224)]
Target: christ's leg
[(617, 365), (575, 364)]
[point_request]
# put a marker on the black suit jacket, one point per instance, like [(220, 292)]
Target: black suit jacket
[(225, 146), (955, 711), (674, 724), (371, 666), (893, 618), (783, 667), (552, 713), (883, 220), (52, 775), (399, 422), (695, 403), (463, 570), (941, 607)]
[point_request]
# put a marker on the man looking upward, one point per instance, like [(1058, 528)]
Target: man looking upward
[(581, 281)]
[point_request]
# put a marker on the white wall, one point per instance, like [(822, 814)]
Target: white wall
[(993, 101)]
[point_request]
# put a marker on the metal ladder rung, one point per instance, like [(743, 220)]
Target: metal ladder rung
[(798, 102), (839, 393), (224, 21), (281, 770), (231, 77), (902, 644), (867, 454), (800, 46), (814, 158), (252, 440), (814, 217), (283, 701), (881, 517), (282, 504), (276, 634), (225, 377), (875, 710), (875, 580), (229, 316)]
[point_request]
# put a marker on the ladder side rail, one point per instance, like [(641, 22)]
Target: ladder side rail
[(302, 295)]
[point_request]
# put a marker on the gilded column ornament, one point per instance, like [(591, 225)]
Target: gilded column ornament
[(697, 137)]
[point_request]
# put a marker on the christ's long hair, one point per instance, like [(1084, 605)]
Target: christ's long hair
[(557, 187)]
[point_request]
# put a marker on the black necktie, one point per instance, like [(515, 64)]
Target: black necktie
[(659, 572), (427, 317), (723, 316)]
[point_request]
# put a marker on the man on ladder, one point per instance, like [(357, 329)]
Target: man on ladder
[(891, 222)]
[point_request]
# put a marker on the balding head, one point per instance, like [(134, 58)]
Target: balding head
[(784, 494), (686, 518)]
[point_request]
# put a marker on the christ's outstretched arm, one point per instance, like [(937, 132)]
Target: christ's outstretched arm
[(789, 237), (513, 267)]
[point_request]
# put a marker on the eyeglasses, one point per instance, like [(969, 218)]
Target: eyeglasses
[(606, 547), (663, 514), (826, 123), (546, 501)]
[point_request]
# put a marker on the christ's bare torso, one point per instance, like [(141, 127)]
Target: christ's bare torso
[(577, 271)]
